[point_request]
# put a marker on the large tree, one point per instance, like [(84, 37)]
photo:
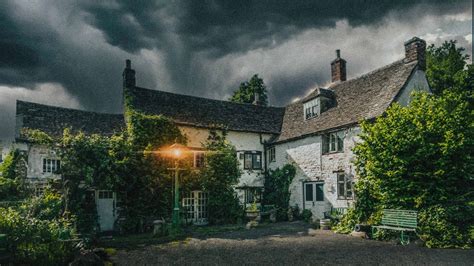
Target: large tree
[(248, 89), (447, 68)]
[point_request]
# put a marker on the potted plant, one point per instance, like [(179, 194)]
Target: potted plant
[(252, 213)]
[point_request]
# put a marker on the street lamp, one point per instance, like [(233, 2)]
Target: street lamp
[(176, 151)]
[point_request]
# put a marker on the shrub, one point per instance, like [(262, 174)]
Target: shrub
[(36, 241), (307, 215), (277, 189)]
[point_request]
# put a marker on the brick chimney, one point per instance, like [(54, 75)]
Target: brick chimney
[(415, 51), (256, 99), (128, 75), (338, 68)]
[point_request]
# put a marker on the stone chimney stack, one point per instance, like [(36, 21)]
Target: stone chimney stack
[(256, 99), (415, 51), (338, 68), (128, 75)]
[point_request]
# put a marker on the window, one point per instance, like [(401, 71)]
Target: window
[(198, 159), (311, 108), (252, 160), (251, 195), (314, 191), (51, 165), (271, 154), (333, 142), (344, 186), (106, 194), (309, 192)]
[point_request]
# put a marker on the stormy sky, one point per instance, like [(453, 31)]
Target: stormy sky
[(72, 53)]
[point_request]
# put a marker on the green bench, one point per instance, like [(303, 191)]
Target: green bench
[(398, 220), (335, 213)]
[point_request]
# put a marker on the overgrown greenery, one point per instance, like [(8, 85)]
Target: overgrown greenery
[(420, 157), (12, 176), (37, 231), (248, 89), (277, 189)]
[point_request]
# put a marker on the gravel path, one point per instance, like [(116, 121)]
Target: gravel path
[(289, 244)]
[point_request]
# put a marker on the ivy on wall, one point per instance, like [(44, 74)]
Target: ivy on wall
[(277, 189)]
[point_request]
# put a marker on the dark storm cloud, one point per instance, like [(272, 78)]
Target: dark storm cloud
[(204, 48), (228, 26)]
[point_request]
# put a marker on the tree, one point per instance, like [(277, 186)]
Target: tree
[(446, 67), (248, 89), (420, 157)]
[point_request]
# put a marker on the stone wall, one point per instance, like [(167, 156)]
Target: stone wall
[(311, 165)]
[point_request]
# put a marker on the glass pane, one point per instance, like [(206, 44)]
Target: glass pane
[(325, 143), (349, 189), (248, 161), (319, 192), (58, 166), (309, 192), (340, 177), (340, 141), (44, 165), (332, 142), (340, 190), (257, 162)]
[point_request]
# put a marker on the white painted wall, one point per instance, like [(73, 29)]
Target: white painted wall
[(417, 82), (36, 153), (242, 141), (311, 165)]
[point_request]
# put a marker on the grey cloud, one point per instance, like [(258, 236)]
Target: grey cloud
[(203, 48)]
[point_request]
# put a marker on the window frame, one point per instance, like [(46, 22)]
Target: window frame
[(51, 166), (347, 186), (333, 142), (271, 154), (311, 108), (199, 159), (255, 160)]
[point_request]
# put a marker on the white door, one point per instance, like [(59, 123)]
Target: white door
[(314, 199), (195, 207), (105, 200)]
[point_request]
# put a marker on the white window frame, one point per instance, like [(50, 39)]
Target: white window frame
[(311, 109), (51, 165), (335, 142)]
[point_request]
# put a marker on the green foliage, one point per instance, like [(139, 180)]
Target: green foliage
[(36, 136), (446, 68), (277, 190), (36, 230), (306, 215), (247, 90), (12, 178), (218, 178), (419, 158)]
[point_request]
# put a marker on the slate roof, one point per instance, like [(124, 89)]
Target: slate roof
[(365, 97), (203, 112), (53, 120)]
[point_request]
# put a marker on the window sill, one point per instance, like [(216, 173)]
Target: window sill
[(332, 152)]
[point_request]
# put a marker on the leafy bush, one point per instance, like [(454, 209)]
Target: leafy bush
[(35, 231), (277, 189), (419, 158), (219, 176), (307, 215)]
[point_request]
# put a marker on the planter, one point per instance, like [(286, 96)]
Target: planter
[(325, 224), (253, 217)]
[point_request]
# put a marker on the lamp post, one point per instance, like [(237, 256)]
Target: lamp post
[(176, 151)]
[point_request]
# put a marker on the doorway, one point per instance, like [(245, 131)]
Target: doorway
[(105, 201), (313, 198)]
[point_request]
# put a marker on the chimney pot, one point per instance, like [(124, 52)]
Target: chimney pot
[(338, 68), (128, 63), (415, 51)]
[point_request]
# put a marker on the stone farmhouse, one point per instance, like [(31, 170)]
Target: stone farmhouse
[(315, 134)]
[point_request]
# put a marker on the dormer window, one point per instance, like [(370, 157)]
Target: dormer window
[(311, 108)]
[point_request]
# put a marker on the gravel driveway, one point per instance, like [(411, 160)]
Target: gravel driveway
[(289, 244)]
